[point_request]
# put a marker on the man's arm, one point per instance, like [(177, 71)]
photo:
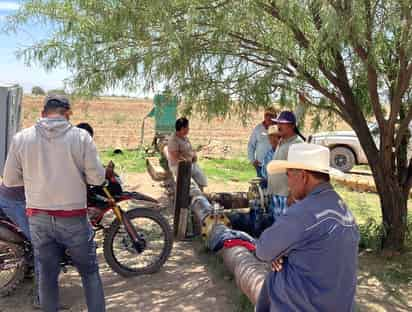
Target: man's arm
[(174, 156), (173, 151), (251, 146), (13, 172), (93, 168), (278, 238)]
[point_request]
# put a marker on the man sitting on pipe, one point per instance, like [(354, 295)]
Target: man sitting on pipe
[(180, 148), (314, 246)]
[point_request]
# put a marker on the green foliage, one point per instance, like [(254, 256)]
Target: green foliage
[(234, 57), (226, 63), (371, 234), (57, 91), (37, 91)]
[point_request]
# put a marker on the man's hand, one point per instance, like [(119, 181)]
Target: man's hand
[(256, 163), (194, 157), (277, 264), (291, 200)]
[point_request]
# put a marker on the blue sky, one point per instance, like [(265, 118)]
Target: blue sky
[(13, 69)]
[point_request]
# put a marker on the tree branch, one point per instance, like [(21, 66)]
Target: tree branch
[(403, 128), (299, 35), (405, 71), (318, 87)]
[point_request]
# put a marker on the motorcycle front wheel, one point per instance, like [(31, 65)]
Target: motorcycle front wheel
[(120, 252)]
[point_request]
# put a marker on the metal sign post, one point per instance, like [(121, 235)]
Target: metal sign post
[(10, 111)]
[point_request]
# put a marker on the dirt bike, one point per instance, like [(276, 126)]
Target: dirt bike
[(136, 241)]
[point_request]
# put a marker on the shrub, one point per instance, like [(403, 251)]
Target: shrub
[(37, 91)]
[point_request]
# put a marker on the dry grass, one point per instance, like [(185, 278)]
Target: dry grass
[(117, 123)]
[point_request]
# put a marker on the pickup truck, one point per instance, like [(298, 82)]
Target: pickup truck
[(345, 148)]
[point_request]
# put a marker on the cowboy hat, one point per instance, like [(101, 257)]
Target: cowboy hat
[(273, 130), (305, 156), (271, 111)]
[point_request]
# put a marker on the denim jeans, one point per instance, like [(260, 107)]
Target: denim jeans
[(259, 171), (16, 211), (51, 236)]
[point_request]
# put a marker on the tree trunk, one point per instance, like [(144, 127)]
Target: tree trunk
[(394, 203), (393, 194)]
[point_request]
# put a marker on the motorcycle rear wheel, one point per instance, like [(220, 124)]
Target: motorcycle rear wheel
[(120, 253), (13, 267)]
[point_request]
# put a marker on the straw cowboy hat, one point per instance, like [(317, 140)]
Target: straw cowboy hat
[(304, 156), (271, 110), (273, 130)]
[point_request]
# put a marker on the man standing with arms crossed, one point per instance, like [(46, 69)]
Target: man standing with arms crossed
[(54, 161)]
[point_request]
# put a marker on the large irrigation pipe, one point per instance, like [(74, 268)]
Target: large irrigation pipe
[(248, 271), (229, 200)]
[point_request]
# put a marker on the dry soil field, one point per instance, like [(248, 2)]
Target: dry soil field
[(117, 123)]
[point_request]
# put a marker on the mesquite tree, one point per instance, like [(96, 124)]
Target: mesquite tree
[(349, 57)]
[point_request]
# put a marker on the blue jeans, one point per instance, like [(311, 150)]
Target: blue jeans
[(259, 171), (16, 211), (51, 236)]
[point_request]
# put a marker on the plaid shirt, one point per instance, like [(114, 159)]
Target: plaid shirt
[(266, 160)]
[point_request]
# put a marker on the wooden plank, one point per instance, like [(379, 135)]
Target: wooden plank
[(156, 171), (182, 198)]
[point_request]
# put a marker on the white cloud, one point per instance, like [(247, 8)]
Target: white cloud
[(9, 6)]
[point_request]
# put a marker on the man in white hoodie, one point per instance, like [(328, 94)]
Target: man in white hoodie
[(54, 161)]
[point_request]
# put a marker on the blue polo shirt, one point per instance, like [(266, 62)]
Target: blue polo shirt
[(319, 238)]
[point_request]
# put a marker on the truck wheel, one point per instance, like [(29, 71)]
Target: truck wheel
[(342, 158)]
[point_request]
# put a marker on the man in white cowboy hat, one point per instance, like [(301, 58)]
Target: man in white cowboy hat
[(258, 144), (314, 246)]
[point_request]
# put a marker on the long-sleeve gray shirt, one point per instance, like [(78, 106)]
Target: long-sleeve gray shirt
[(54, 161)]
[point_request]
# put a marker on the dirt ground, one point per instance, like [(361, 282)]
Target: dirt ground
[(186, 283)]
